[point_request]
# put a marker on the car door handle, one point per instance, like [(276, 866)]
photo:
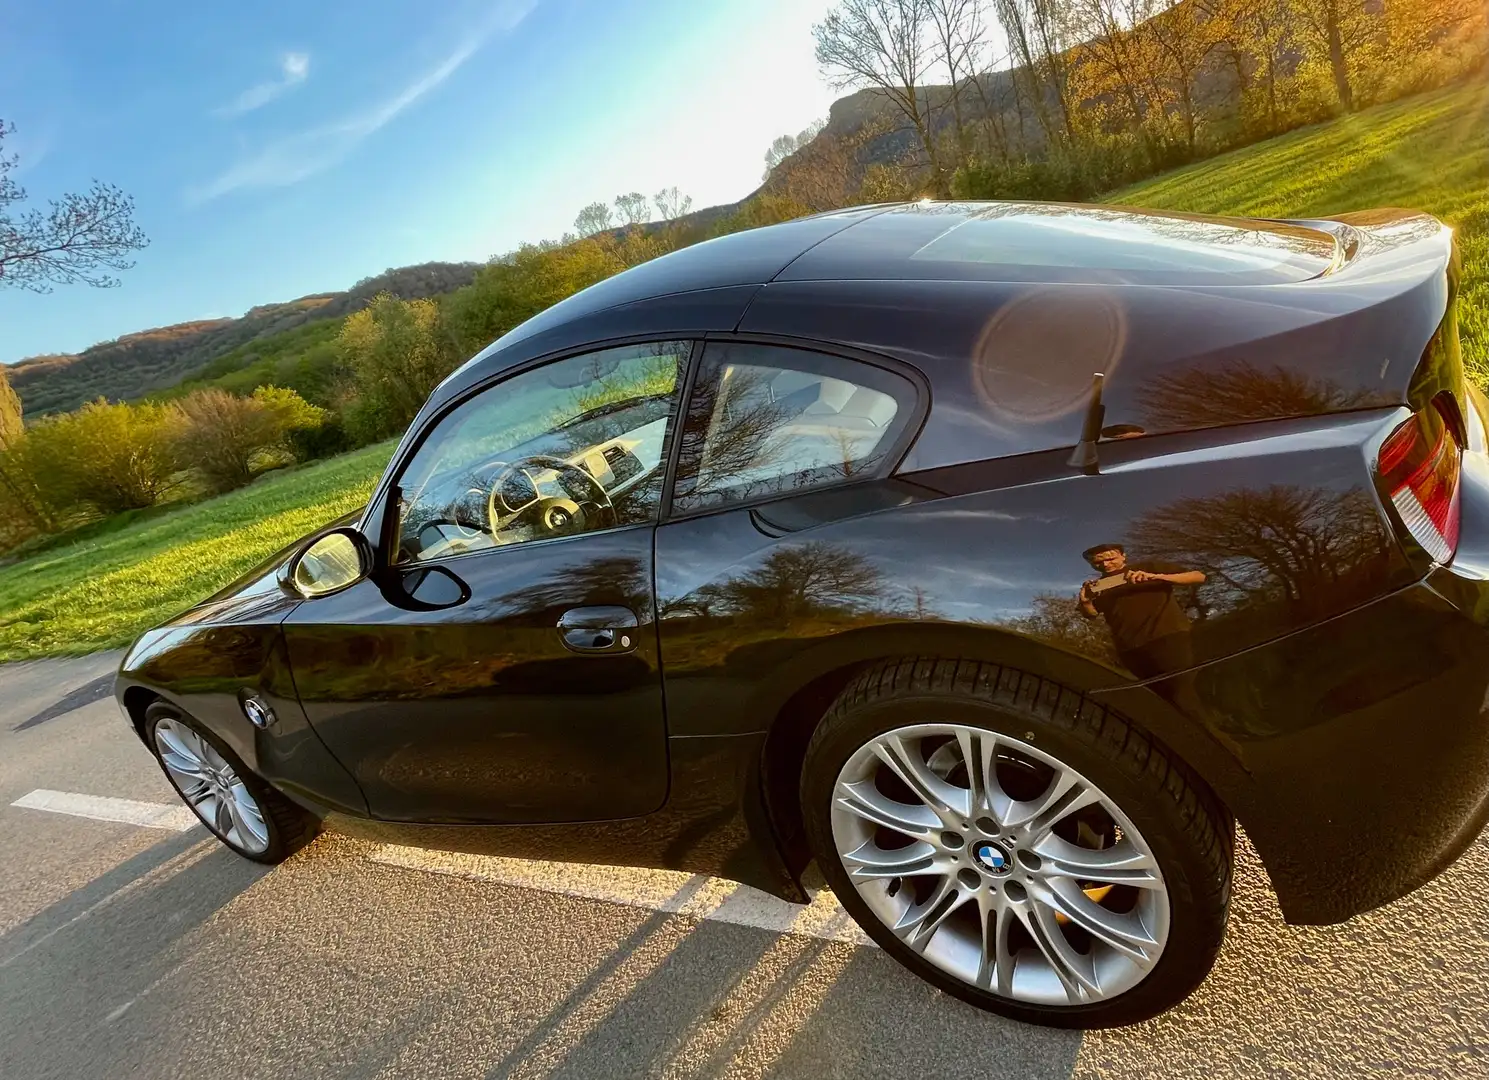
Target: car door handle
[(598, 629)]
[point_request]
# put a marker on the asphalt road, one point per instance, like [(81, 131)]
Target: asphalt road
[(135, 951)]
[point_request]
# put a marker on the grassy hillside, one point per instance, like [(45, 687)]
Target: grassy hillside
[(134, 365), (1428, 153), (100, 592)]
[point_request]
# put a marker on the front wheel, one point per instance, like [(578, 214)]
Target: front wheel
[(241, 810), (1016, 845)]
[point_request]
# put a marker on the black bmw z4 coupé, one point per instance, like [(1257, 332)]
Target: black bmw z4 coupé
[(997, 558)]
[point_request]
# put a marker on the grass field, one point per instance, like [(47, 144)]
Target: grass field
[(1428, 153), (101, 592)]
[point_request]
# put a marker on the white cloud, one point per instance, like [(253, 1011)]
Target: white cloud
[(294, 68), (292, 158)]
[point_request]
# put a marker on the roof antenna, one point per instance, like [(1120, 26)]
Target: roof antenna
[(1084, 456)]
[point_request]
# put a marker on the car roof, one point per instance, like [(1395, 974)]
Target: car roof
[(1064, 243), (1009, 309)]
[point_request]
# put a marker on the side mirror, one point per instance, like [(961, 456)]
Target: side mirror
[(331, 562)]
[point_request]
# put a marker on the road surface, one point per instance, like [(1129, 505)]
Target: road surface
[(139, 947)]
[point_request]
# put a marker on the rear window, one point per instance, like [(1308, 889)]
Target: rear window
[(1057, 243)]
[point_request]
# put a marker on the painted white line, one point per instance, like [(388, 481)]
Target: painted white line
[(149, 815), (673, 891)]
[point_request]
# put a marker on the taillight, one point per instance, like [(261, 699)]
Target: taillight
[(1418, 471)]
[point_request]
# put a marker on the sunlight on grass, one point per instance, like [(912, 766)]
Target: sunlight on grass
[(1426, 153), (100, 593)]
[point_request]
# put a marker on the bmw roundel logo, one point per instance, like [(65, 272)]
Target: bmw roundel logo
[(992, 857), (259, 714)]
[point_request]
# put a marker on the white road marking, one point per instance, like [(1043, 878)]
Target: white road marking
[(148, 815), (671, 891), (675, 891)]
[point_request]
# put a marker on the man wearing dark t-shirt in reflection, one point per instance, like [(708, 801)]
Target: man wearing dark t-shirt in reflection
[(1149, 628)]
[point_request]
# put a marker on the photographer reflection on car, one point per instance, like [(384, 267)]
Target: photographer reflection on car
[(1148, 627)]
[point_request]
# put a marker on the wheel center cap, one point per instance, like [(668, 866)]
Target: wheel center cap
[(992, 857)]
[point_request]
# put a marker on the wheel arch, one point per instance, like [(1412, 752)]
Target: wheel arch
[(135, 700), (802, 690)]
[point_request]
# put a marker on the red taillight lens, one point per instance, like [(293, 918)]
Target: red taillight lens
[(1418, 469)]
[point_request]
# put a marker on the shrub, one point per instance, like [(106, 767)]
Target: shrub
[(229, 439), (105, 457)]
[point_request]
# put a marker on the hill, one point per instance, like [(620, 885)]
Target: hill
[(135, 364)]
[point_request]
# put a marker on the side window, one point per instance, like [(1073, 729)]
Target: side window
[(764, 419), (573, 446)]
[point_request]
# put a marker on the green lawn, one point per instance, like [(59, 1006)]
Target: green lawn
[(101, 592), (1429, 153)]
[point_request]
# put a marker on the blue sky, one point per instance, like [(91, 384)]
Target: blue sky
[(277, 149)]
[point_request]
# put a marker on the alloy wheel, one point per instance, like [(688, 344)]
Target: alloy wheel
[(211, 787), (1000, 864)]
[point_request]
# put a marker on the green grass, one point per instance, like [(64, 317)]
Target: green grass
[(102, 591), (1429, 152)]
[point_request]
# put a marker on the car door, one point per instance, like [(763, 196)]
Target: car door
[(500, 664), (779, 442)]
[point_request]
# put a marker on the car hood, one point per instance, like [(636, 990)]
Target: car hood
[(257, 594)]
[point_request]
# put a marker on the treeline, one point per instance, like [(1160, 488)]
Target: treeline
[(1066, 99), (310, 392), (108, 458), (154, 359)]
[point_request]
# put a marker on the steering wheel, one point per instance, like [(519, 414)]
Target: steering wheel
[(549, 494)]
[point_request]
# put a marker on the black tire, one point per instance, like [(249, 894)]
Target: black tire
[(290, 827), (1189, 832)]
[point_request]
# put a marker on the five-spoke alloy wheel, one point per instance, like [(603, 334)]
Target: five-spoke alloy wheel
[(1015, 844)]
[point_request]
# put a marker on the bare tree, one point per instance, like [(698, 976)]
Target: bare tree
[(881, 45), (959, 31), (76, 240), (633, 208), (1185, 36), (1017, 19), (672, 204), (594, 218)]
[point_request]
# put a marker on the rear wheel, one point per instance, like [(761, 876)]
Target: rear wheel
[(240, 809), (1017, 845)]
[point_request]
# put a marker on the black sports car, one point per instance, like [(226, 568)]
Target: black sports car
[(996, 557)]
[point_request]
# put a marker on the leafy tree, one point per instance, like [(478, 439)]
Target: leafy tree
[(77, 239), (107, 457), (397, 351), (511, 290), (1336, 31), (26, 510), (10, 413), (633, 209), (594, 218)]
